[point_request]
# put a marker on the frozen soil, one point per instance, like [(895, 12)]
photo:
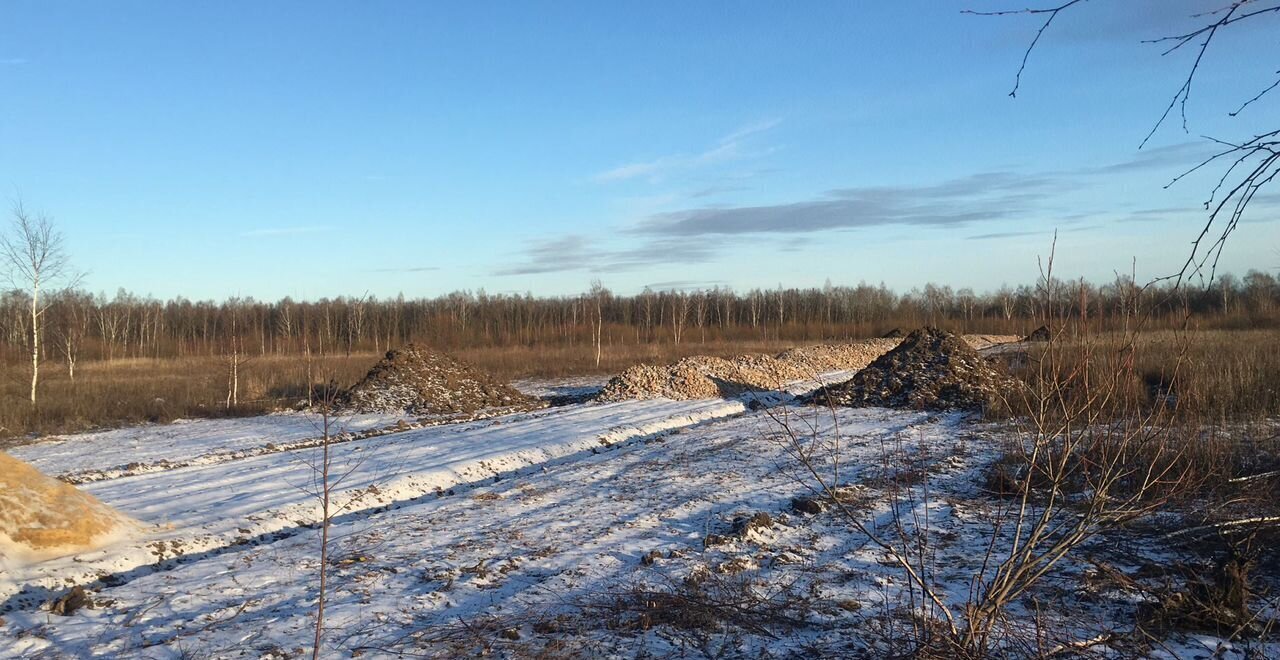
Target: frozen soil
[(684, 542)]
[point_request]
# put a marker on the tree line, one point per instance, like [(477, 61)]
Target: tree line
[(79, 326)]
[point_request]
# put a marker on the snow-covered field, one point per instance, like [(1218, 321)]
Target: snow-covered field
[(121, 452), (583, 530)]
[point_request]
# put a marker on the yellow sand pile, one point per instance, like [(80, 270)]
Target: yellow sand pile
[(41, 517)]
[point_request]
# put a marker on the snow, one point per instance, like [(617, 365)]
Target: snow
[(114, 452), (205, 507), (567, 527), (543, 533)]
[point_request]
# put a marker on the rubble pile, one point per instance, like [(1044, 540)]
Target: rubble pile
[(426, 382), (931, 369)]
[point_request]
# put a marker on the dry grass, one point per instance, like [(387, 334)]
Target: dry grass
[(1206, 377), (126, 391), (1226, 376)]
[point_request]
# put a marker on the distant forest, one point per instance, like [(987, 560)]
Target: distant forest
[(81, 326)]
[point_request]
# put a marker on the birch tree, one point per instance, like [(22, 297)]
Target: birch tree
[(35, 260)]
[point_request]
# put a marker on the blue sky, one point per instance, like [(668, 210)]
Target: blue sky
[(328, 148)]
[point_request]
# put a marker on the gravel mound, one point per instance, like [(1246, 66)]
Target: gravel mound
[(426, 382), (931, 369), (701, 377), (895, 333)]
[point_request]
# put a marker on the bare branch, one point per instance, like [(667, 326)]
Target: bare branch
[(1052, 14)]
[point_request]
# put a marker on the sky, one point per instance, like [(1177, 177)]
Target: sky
[(313, 149)]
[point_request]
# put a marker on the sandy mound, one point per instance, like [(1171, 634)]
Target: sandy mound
[(983, 342), (425, 382), (711, 377), (931, 369), (41, 517)]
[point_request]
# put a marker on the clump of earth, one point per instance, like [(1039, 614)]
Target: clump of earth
[(931, 369), (425, 382)]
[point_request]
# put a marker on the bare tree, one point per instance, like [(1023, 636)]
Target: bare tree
[(325, 487), (35, 260), (236, 358), (679, 313), (598, 293), (71, 324)]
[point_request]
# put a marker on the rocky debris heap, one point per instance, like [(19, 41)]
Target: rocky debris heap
[(931, 369), (895, 333), (425, 382), (41, 517), (1039, 334), (702, 377)]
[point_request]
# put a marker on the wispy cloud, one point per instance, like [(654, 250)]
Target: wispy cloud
[(727, 148), (687, 285), (713, 191), (998, 204), (409, 269), (986, 196), (1179, 157), (1003, 234), (282, 231), (577, 252), (999, 195)]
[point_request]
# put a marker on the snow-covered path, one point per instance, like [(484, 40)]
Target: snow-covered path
[(198, 509), (108, 453)]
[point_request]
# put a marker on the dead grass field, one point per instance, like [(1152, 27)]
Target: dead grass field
[(1227, 375), (1209, 377), (126, 391)]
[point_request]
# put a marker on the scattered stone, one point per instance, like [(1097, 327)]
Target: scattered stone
[(68, 603), (743, 525), (807, 505), (426, 382), (551, 626), (931, 370), (711, 540), (736, 565), (511, 634), (1039, 334), (650, 558)]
